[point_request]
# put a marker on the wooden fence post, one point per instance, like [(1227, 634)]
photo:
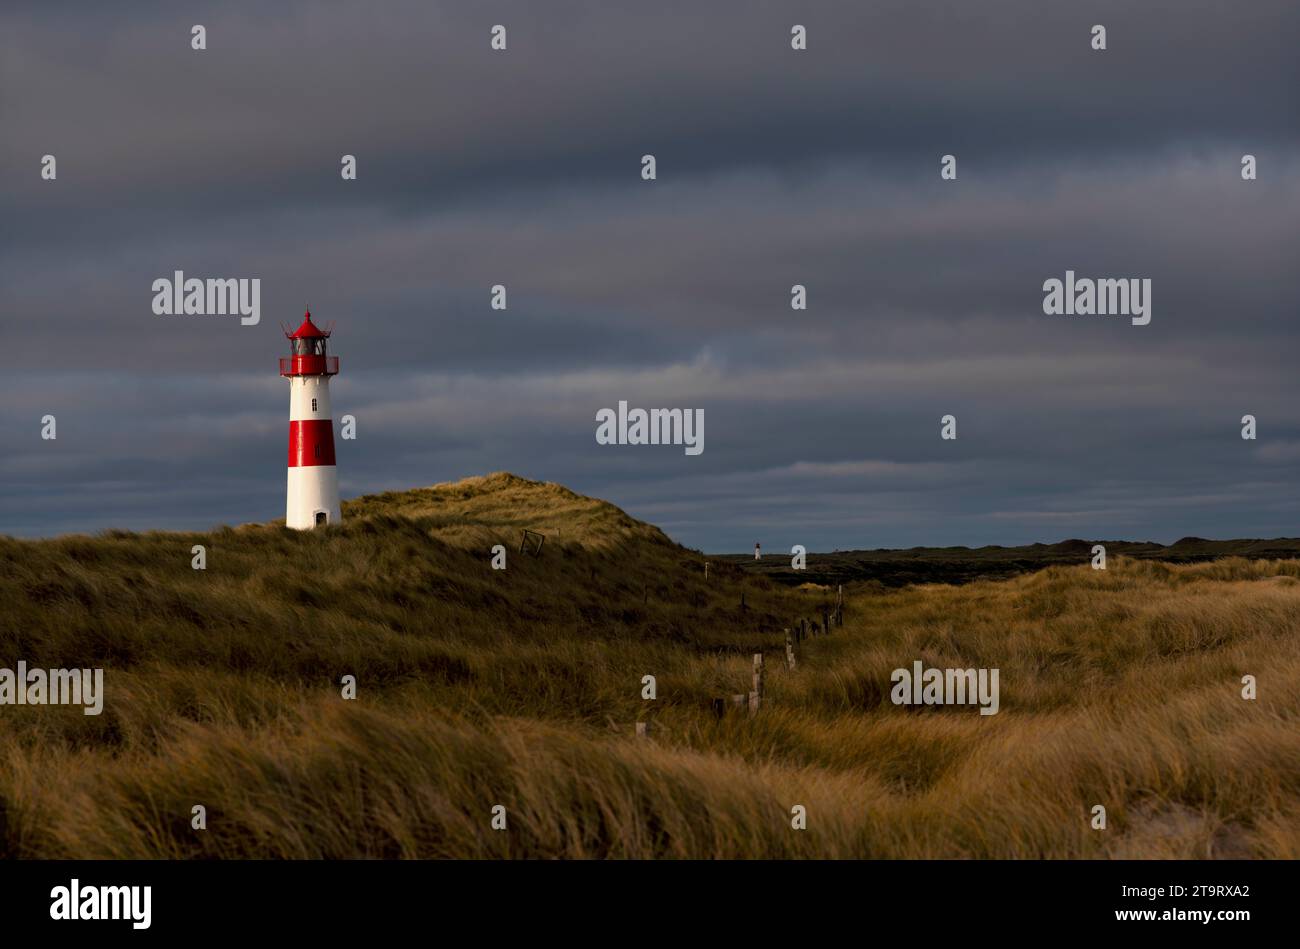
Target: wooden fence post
[(756, 694), (642, 729), (826, 620), (839, 607), (789, 650)]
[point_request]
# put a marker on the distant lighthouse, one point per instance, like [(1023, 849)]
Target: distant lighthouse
[(313, 494)]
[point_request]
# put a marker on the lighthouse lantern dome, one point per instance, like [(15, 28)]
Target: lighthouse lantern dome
[(308, 339), (308, 351)]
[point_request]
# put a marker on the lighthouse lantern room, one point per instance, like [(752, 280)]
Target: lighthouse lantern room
[(313, 492)]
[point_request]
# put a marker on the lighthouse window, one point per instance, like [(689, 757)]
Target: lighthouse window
[(313, 405)]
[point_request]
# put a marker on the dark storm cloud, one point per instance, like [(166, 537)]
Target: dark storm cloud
[(776, 168)]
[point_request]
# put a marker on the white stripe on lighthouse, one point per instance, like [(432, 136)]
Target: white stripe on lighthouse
[(312, 489), (302, 389)]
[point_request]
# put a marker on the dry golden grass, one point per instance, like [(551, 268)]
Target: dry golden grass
[(522, 687)]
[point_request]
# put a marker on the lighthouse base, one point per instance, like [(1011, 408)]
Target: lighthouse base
[(313, 497)]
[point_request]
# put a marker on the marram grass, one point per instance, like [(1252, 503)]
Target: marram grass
[(522, 688)]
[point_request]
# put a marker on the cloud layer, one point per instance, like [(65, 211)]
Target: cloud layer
[(775, 167)]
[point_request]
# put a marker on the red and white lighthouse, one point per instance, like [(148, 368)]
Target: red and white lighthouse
[(313, 495)]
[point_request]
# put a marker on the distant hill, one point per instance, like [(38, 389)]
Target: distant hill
[(400, 563), (897, 568)]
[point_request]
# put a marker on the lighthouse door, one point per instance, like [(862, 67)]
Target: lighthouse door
[(321, 518)]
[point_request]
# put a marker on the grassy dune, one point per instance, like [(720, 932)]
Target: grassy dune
[(521, 688)]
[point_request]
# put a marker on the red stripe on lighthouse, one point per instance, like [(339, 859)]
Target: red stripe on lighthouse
[(311, 442)]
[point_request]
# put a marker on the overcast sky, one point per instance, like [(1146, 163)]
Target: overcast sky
[(775, 167)]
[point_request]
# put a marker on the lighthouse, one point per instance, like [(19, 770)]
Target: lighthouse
[(313, 492)]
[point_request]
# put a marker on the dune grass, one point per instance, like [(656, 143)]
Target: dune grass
[(521, 688)]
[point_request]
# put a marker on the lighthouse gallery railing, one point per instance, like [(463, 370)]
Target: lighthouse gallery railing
[(309, 365)]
